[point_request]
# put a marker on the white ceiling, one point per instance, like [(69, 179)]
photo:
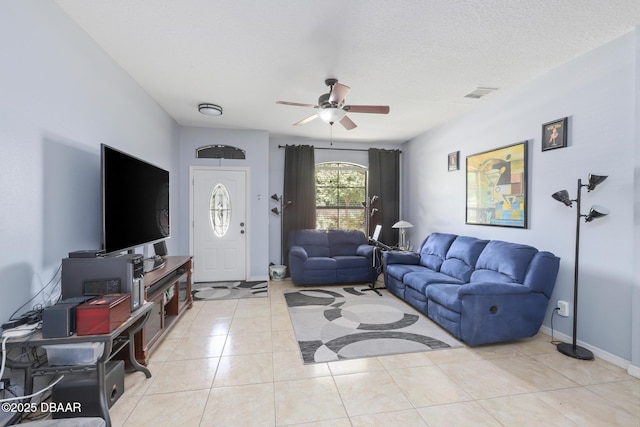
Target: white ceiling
[(420, 57)]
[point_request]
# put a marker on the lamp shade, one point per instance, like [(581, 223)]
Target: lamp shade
[(594, 180), (331, 114), (562, 196), (402, 224), (596, 211)]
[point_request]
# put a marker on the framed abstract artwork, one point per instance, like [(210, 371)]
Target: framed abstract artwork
[(497, 187), (554, 134)]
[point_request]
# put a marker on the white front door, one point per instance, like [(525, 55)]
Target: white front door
[(219, 229)]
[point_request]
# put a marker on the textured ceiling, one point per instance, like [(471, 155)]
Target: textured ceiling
[(420, 57)]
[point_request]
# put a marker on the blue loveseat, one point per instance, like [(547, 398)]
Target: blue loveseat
[(330, 256), (480, 291)]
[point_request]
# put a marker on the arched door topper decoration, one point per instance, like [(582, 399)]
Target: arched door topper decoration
[(220, 152)]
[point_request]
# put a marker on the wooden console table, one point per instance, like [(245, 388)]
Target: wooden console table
[(169, 289)]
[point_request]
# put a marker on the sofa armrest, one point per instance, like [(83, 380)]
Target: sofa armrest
[(492, 288), (365, 251), (397, 257), (298, 252)]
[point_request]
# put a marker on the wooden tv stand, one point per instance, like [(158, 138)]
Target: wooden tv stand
[(169, 289)]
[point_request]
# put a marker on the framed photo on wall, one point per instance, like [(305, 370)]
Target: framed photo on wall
[(554, 134), (497, 187), (453, 161)]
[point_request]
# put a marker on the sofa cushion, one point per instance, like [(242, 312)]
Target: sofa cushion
[(345, 242), (420, 280), (315, 242), (434, 250), (446, 295), (399, 270), (351, 262), (462, 257), (503, 262), (320, 263)]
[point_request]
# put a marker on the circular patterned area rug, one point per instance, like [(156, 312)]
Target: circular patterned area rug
[(344, 323)]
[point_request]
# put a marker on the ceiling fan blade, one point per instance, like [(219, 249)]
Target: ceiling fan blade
[(296, 104), (348, 123), (375, 109), (305, 121), (338, 93)]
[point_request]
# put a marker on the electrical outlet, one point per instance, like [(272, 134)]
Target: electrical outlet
[(4, 383), (563, 308)]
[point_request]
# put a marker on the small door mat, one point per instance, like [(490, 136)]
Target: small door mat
[(229, 290)]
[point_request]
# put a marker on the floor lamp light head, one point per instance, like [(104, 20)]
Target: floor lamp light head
[(594, 181), (562, 196), (596, 211)]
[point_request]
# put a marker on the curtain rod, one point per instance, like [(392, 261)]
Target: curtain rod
[(338, 149)]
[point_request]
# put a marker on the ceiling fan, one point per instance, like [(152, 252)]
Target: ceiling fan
[(331, 107)]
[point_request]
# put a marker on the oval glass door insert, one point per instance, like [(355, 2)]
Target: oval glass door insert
[(220, 210)]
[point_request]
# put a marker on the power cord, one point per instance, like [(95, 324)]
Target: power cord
[(20, 331), (37, 307), (50, 386), (554, 342)]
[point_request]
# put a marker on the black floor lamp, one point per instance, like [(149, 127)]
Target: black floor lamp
[(596, 211), (280, 212)]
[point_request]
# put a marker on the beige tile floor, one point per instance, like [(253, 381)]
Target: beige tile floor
[(236, 363)]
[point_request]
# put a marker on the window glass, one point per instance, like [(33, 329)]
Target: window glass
[(341, 189)]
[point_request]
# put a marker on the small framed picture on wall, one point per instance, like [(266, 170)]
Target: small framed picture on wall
[(454, 161), (554, 134)]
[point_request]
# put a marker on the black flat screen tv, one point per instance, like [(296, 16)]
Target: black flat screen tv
[(135, 201)]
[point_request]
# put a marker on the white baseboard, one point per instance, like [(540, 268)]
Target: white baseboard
[(634, 371), (604, 355), (258, 278)]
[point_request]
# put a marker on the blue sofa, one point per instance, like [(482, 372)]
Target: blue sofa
[(480, 291), (330, 256)]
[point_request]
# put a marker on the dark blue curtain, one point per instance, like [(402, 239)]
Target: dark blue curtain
[(384, 182), (300, 189)]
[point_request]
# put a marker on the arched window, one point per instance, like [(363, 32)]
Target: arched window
[(341, 189)]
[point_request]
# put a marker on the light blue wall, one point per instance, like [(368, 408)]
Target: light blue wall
[(60, 97), (598, 93), (256, 145)]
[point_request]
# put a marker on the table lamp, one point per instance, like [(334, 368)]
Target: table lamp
[(402, 225)]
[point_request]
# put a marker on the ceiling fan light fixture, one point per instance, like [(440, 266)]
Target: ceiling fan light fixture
[(210, 109), (331, 114)]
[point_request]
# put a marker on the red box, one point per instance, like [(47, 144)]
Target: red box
[(103, 314)]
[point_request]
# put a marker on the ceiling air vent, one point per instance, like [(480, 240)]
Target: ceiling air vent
[(480, 92)]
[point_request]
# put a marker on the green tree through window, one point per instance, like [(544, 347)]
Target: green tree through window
[(340, 190)]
